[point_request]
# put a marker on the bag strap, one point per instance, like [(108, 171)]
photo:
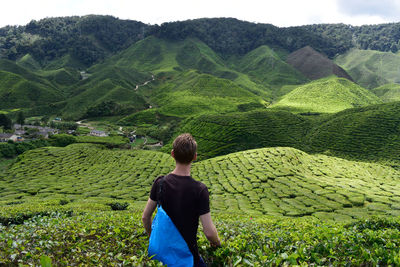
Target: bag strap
[(160, 191)]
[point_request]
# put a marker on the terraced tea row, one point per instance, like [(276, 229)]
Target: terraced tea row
[(227, 133), (271, 181), (285, 181), (82, 171), (366, 133)]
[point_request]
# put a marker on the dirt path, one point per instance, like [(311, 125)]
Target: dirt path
[(80, 123), (145, 83)]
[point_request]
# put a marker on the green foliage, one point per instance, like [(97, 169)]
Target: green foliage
[(371, 68), (112, 141), (109, 84), (263, 65), (7, 150), (26, 73), (17, 92), (196, 55), (113, 238), (152, 122), (62, 140), (253, 196), (28, 62), (91, 38), (45, 261), (388, 92), (22, 147), (270, 181), (223, 134), (64, 125), (327, 95), (11, 149), (105, 108), (63, 202), (368, 133), (119, 205), (5, 122), (191, 93), (230, 36), (62, 77), (87, 38)]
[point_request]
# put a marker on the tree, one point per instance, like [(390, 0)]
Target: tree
[(20, 118), (5, 122), (45, 119)]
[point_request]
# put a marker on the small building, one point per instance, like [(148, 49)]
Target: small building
[(16, 138), (43, 134), (18, 126), (19, 132), (49, 130), (4, 137), (98, 133)]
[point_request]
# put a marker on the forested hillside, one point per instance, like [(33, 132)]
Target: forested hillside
[(92, 38), (86, 39)]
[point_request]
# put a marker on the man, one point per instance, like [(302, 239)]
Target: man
[(184, 199)]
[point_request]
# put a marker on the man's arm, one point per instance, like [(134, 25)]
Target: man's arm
[(209, 230), (146, 217)]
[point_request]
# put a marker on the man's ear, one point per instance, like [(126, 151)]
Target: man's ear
[(172, 153), (195, 157)]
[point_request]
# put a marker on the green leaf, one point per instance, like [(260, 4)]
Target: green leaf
[(45, 261)]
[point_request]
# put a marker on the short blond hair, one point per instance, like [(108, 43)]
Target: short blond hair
[(185, 148)]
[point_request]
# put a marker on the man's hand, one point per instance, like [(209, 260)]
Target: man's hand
[(215, 245), (209, 230), (146, 217)]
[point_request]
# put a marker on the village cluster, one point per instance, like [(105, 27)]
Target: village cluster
[(29, 132)]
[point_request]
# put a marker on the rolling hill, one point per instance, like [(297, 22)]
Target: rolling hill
[(371, 68), (107, 84), (165, 58), (222, 134), (388, 92), (264, 66), (270, 181), (17, 92), (367, 133), (328, 95), (13, 67)]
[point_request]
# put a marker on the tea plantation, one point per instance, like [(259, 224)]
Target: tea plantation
[(272, 206), (273, 181)]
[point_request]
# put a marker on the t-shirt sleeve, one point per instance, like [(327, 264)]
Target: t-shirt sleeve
[(204, 201), (153, 191)]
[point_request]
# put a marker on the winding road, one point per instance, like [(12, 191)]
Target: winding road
[(145, 83)]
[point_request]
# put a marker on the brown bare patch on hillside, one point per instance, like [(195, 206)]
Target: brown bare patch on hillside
[(314, 65)]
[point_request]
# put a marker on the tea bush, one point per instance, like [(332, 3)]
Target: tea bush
[(118, 238)]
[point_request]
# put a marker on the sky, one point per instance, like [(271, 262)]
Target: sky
[(281, 13)]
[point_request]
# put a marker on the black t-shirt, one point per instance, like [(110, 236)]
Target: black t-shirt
[(184, 200)]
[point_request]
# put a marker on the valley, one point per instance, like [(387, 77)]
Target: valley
[(298, 133)]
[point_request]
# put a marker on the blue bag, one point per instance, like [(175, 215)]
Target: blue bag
[(166, 244)]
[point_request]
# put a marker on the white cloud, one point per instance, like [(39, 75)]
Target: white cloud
[(382, 8), (277, 12)]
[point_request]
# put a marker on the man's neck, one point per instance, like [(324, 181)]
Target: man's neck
[(182, 169)]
